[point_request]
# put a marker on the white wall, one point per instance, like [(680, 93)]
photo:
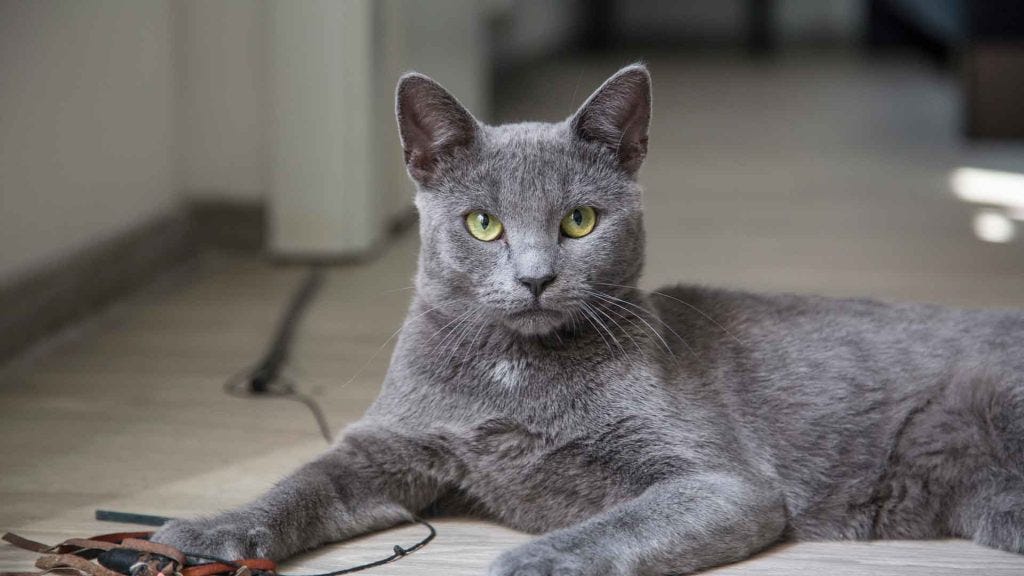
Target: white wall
[(222, 104), (86, 105), (321, 116)]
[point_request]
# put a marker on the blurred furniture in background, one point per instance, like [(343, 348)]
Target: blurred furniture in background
[(994, 69), (306, 91)]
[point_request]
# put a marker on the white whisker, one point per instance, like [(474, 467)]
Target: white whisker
[(653, 316), (624, 318), (587, 316), (683, 302), (600, 309)]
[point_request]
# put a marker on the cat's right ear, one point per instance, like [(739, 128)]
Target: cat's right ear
[(617, 116), (431, 123)]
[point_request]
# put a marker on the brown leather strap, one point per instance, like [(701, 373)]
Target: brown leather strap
[(118, 537), (155, 548), (207, 569), (101, 542), (263, 564), (66, 559), (26, 544), (54, 561), (86, 544)]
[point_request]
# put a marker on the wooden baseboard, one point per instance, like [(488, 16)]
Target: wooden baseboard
[(78, 285), (229, 224), (75, 286)]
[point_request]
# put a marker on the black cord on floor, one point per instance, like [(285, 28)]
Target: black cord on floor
[(267, 378), (399, 552), (268, 370), (281, 389)]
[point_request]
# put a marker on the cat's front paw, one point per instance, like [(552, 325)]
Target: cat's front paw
[(543, 558), (228, 539)]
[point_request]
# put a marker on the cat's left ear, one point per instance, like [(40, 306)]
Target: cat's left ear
[(617, 116)]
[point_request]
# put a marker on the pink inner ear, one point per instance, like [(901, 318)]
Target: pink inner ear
[(420, 163), (432, 123), (417, 142), (618, 116)]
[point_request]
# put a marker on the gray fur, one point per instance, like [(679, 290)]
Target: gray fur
[(641, 433)]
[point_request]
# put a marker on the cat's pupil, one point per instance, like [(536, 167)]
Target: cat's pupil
[(577, 217), (484, 220)]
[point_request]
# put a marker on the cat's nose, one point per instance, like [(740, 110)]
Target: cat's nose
[(537, 284)]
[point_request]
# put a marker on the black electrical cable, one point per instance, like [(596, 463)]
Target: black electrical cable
[(269, 369), (267, 378), (399, 552), (282, 388)]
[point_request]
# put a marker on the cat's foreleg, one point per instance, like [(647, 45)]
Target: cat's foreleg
[(674, 527), (369, 480)]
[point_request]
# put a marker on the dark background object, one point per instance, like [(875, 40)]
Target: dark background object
[(761, 39), (933, 27), (994, 69)]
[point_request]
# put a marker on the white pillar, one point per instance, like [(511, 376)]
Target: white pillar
[(322, 200)]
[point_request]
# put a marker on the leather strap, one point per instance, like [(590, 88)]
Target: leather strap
[(154, 548), (26, 544), (54, 561), (86, 544), (102, 542), (64, 556), (118, 537), (262, 564)]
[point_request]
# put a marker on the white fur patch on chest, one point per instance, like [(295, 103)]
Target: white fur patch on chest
[(509, 373)]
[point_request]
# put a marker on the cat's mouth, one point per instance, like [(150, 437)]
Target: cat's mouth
[(534, 320)]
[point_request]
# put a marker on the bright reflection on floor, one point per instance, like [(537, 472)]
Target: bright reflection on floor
[(994, 226), (1002, 191)]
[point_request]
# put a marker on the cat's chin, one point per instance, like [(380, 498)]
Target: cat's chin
[(535, 322)]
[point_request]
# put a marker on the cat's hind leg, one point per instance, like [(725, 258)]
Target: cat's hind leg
[(996, 519), (990, 412)]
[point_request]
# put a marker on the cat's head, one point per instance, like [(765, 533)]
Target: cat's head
[(519, 222)]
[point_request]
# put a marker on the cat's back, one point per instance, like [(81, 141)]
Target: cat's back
[(770, 329)]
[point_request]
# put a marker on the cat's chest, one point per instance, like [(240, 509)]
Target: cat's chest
[(508, 373), (549, 438), (540, 376), (536, 479)]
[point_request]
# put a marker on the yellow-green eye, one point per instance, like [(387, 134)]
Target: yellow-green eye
[(579, 222), (483, 226)]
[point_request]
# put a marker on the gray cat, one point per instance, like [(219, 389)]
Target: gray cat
[(536, 386)]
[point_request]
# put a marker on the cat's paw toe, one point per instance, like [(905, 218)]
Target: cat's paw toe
[(212, 539), (540, 559)]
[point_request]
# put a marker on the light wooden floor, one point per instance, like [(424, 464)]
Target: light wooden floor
[(825, 175)]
